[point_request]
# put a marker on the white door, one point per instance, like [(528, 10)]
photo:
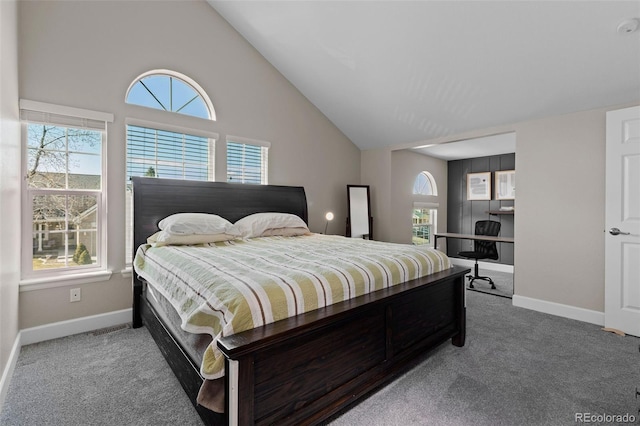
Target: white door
[(622, 221)]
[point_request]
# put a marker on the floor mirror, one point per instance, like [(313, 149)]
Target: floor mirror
[(359, 219)]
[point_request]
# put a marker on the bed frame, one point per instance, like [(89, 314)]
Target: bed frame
[(310, 367)]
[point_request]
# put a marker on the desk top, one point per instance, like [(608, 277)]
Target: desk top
[(475, 237)]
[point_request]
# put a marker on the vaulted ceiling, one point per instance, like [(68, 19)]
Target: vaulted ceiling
[(404, 72)]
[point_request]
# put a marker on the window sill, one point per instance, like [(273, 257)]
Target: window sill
[(67, 280)]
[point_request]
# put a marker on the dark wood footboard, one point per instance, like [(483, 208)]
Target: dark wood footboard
[(305, 369)]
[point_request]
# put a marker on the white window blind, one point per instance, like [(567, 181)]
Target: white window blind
[(178, 148), (40, 112), (247, 161), (167, 154)]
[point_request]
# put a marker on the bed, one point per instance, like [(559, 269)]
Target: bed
[(305, 368)]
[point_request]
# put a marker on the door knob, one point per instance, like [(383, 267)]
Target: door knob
[(616, 231)]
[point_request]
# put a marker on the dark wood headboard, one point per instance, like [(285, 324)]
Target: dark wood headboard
[(155, 199)]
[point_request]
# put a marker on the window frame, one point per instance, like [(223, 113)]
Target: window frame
[(154, 125), (200, 128), (264, 156), (431, 183), (33, 112), (185, 79), (433, 225), (129, 121)]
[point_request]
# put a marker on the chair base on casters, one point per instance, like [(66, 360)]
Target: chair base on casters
[(474, 277)]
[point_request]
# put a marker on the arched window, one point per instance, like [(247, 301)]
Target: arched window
[(424, 214), (161, 150), (425, 184), (170, 91)]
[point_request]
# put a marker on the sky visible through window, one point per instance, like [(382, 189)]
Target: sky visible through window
[(168, 93), (159, 153), (62, 150), (424, 185)]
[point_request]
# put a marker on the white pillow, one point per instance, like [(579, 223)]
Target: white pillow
[(163, 238), (197, 223), (255, 225)]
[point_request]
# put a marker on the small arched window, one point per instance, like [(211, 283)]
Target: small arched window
[(425, 184), (170, 91)]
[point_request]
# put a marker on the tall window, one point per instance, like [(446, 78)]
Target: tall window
[(165, 154), (425, 215), (425, 220), (64, 195), (165, 151), (247, 160)]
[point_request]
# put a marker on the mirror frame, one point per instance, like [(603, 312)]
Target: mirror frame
[(369, 220)]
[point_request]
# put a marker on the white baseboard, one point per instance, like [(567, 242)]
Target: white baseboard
[(487, 266), (74, 326), (8, 369), (54, 331), (558, 309)]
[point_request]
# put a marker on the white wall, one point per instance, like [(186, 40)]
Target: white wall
[(86, 54), (559, 221), (9, 181), (405, 167), (376, 172)]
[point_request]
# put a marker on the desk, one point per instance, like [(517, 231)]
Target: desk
[(470, 237)]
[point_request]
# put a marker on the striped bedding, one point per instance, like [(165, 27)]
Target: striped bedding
[(227, 287)]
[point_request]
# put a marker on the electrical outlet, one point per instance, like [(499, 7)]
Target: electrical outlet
[(75, 295)]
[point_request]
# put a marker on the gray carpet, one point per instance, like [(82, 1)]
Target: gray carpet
[(518, 367), (502, 280), (119, 378)]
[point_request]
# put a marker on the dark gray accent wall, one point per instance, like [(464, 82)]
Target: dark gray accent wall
[(462, 214)]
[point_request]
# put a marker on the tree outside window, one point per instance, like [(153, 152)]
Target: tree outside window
[(64, 186), (423, 225)]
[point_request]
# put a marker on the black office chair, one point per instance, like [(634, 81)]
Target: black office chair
[(483, 249)]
